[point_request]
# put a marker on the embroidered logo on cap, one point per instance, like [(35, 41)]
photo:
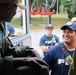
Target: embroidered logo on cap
[(69, 23)]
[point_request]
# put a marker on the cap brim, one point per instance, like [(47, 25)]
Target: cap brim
[(50, 27), (64, 27), (22, 6)]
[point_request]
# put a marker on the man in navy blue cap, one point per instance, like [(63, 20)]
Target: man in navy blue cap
[(72, 70), (48, 39), (59, 57), (72, 26)]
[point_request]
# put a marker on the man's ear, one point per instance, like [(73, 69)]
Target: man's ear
[(9, 7)]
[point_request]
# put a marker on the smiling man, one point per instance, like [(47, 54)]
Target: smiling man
[(60, 58), (72, 70)]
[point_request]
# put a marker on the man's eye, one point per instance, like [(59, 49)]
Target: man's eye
[(71, 32)]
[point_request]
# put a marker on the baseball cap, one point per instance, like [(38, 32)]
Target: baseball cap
[(49, 26), (71, 25), (17, 2)]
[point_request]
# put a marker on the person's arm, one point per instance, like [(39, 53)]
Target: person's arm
[(42, 44), (45, 48)]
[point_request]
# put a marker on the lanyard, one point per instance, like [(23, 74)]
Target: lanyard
[(62, 72)]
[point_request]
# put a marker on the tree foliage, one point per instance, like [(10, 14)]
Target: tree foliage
[(62, 7), (20, 0), (37, 4), (71, 8), (68, 6)]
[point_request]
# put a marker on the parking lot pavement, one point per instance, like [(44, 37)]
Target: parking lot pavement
[(35, 37)]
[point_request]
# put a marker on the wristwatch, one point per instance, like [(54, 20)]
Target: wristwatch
[(49, 47)]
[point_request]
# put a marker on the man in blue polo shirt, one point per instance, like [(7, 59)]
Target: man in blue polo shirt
[(55, 56), (48, 39), (72, 70)]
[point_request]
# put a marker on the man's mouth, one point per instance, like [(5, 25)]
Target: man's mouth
[(66, 38)]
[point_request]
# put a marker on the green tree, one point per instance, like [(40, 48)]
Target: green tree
[(20, 0), (36, 5), (62, 7), (71, 8), (48, 5)]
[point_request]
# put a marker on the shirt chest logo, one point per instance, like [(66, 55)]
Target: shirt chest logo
[(60, 61), (48, 42)]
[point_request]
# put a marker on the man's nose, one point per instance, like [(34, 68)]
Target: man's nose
[(66, 33)]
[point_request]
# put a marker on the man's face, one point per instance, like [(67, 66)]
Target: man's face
[(49, 31), (69, 36), (12, 12), (7, 12)]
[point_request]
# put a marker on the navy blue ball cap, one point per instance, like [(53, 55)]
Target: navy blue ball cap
[(49, 26), (71, 25)]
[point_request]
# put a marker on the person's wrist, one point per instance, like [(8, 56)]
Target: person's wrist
[(49, 47)]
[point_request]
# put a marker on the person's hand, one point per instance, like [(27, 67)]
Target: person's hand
[(10, 37), (56, 44)]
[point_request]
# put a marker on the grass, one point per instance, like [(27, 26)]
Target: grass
[(38, 23), (15, 22)]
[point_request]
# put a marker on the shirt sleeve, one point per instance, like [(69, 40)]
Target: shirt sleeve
[(42, 42)]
